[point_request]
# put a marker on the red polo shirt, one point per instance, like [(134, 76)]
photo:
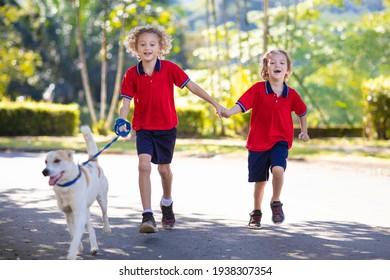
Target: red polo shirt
[(154, 105), (271, 120)]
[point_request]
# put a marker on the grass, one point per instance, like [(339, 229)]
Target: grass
[(334, 147)]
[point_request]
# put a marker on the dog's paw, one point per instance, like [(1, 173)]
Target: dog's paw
[(94, 251), (106, 230), (71, 256)]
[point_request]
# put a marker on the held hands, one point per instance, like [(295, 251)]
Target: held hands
[(226, 113), (303, 137), (223, 112), (219, 109)]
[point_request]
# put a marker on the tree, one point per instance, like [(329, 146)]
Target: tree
[(17, 63), (83, 62)]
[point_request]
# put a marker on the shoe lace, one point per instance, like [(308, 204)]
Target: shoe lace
[(146, 217), (168, 213), (277, 210)]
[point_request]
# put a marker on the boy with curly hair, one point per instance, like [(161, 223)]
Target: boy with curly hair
[(150, 84)]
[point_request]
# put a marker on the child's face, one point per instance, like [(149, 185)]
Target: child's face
[(148, 46), (277, 67)]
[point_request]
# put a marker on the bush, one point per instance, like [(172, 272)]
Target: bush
[(191, 121), (38, 119), (376, 96)]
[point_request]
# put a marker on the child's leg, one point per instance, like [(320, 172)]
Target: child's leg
[(168, 217), (166, 179), (258, 194), (145, 186), (277, 182), (276, 205)]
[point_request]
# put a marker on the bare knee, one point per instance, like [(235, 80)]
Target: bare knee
[(144, 166), (277, 172), (164, 170)]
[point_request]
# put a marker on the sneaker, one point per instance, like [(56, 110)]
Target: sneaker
[(148, 224), (277, 212), (168, 217), (254, 222)]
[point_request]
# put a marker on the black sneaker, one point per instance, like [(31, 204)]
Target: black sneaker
[(168, 217), (148, 224), (255, 220), (277, 212)]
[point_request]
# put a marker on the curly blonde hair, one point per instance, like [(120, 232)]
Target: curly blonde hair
[(266, 58), (165, 40)]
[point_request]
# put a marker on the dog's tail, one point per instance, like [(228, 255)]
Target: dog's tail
[(89, 140)]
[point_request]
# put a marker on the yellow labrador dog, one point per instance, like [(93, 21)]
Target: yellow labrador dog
[(76, 188)]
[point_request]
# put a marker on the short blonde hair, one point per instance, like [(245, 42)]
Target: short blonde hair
[(165, 40), (266, 58)]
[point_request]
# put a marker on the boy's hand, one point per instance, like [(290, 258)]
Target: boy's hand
[(226, 113), (303, 137), (122, 127), (220, 110)]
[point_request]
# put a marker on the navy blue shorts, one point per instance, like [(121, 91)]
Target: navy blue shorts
[(159, 144), (259, 163)]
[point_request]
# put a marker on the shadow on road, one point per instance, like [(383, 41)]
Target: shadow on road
[(40, 233)]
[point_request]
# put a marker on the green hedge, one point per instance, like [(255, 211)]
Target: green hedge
[(376, 96), (38, 119), (191, 121)]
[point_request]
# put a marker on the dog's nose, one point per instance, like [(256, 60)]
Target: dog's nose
[(45, 172)]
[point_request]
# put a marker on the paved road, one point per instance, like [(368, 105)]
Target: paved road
[(334, 211)]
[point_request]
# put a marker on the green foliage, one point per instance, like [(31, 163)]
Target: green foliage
[(191, 121), (332, 54), (376, 97), (35, 119), (16, 62)]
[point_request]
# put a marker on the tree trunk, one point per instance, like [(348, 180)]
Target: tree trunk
[(238, 22), (265, 34), (83, 62), (227, 47), (103, 82), (218, 62), (118, 77)]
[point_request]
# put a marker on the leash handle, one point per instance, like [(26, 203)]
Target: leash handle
[(119, 123)]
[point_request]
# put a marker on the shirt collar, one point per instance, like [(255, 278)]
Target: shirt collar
[(269, 90), (140, 69)]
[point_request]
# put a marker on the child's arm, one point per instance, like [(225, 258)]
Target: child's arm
[(303, 135), (232, 111), (198, 91), (123, 112)]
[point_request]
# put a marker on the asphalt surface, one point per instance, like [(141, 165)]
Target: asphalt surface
[(334, 211)]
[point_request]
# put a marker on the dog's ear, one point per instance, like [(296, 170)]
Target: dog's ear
[(70, 154)]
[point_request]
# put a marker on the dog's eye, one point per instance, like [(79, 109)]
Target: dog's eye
[(57, 161)]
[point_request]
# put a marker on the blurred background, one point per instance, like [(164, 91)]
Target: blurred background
[(62, 62)]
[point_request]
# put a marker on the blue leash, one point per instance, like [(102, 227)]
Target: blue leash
[(98, 153), (119, 122)]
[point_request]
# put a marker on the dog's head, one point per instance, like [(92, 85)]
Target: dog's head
[(58, 163)]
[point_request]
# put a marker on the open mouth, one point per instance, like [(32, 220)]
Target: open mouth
[(54, 179), (277, 71)]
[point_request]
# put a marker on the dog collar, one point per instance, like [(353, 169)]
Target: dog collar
[(67, 184)]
